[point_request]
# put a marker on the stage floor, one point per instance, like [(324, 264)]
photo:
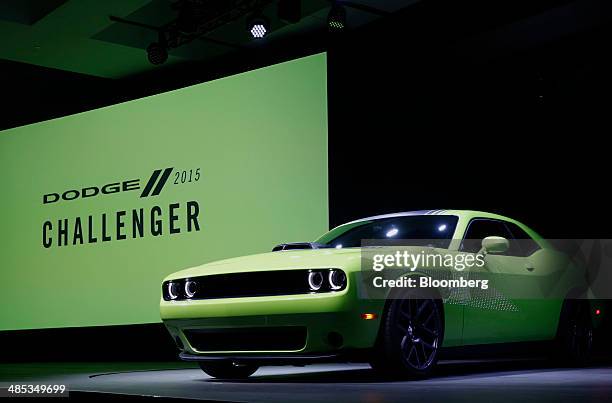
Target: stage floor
[(456, 381)]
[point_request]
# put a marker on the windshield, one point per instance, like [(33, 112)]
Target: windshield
[(420, 229)]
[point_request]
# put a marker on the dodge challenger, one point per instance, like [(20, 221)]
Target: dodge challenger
[(310, 302)]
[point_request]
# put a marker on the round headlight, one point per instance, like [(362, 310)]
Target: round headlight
[(337, 279), (315, 280), (191, 287), (173, 290)]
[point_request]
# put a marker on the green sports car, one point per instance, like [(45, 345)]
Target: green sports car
[(314, 302)]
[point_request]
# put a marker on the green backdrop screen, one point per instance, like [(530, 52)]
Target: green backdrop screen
[(221, 169)]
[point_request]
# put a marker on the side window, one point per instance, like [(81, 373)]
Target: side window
[(527, 245), (479, 229)]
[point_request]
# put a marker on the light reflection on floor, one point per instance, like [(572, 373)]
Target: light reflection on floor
[(461, 381)]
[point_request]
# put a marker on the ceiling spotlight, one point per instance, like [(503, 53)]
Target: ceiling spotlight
[(157, 52), (336, 19), (258, 26)]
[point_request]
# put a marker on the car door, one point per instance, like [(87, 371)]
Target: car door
[(550, 279), (498, 314)]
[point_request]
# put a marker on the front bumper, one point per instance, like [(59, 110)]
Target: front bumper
[(332, 321), (283, 359)]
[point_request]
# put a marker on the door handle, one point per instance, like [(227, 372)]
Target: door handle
[(530, 268)]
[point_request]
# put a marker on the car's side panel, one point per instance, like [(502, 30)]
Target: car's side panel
[(453, 325), (530, 320), (528, 296)]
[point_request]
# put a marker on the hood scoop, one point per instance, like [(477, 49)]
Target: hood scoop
[(298, 245)]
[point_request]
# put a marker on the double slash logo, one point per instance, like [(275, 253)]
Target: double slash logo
[(160, 184)]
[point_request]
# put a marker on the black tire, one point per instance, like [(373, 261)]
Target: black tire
[(575, 333), (228, 370), (410, 338)]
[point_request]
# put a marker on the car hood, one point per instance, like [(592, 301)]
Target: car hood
[(346, 259)]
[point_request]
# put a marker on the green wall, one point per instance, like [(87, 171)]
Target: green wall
[(259, 140)]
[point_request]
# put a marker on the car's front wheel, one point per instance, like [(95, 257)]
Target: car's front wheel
[(228, 370), (410, 338)]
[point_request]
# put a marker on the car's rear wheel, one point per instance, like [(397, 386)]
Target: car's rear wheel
[(575, 334), (410, 338), (228, 369)]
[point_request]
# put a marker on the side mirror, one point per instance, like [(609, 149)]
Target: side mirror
[(495, 244)]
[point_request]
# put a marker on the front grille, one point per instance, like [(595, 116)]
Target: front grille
[(284, 338), (248, 284)]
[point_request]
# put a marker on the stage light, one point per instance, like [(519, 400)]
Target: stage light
[(336, 19), (157, 53), (258, 26), (258, 31)]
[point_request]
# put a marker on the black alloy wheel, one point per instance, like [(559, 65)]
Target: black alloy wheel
[(410, 338)]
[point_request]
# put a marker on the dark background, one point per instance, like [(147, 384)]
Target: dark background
[(496, 106), (425, 114)]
